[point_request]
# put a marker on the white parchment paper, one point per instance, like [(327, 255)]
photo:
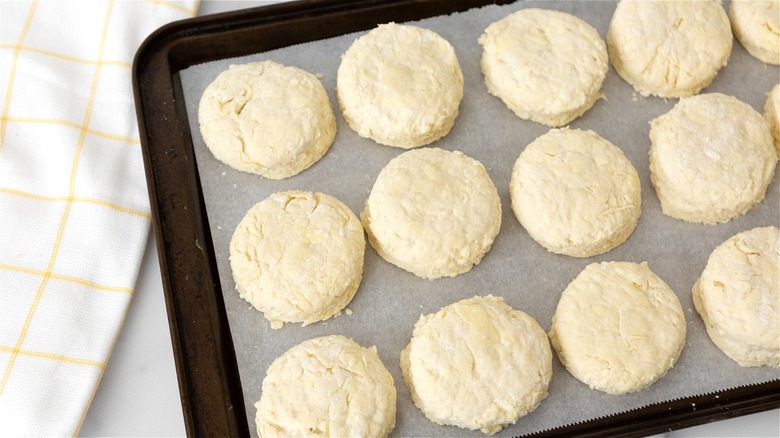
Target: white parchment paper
[(530, 279)]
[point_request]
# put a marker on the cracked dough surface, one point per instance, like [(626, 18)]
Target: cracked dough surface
[(400, 85), (432, 212), (328, 386), (298, 257), (669, 48), (618, 327), (477, 364), (575, 193), (711, 158), (772, 115), (547, 66), (738, 297), (757, 26), (267, 118)]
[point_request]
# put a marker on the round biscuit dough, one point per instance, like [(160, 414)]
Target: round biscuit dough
[(575, 193), (669, 48), (772, 115), (738, 297), (267, 118), (711, 158), (328, 386), (477, 364), (400, 85), (547, 66), (298, 257), (432, 212), (618, 327), (756, 24)]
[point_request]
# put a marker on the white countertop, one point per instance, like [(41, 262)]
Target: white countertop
[(139, 396)]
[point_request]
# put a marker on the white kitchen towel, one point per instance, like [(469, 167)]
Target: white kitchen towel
[(74, 210)]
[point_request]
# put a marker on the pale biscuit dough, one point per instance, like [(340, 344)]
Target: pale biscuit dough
[(618, 327), (477, 364), (711, 158), (547, 66), (432, 212), (267, 118), (738, 297), (329, 387), (575, 193), (400, 85), (669, 48), (772, 115), (298, 257), (756, 24)]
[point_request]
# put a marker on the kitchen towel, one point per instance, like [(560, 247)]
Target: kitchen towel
[(74, 210)]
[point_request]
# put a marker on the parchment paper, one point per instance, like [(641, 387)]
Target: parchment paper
[(530, 279)]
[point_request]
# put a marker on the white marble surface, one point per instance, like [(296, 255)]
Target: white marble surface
[(138, 395)]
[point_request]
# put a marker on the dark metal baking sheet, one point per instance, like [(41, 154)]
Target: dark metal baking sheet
[(211, 391)]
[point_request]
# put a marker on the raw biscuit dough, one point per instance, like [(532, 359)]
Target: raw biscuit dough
[(772, 115), (711, 158), (432, 212), (738, 297), (328, 386), (298, 257), (477, 364), (618, 327), (756, 24), (400, 85), (547, 66), (575, 193), (267, 118), (669, 48)]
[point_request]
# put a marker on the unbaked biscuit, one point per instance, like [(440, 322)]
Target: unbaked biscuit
[(477, 364), (756, 24), (575, 193), (711, 158), (547, 66), (400, 85), (328, 386), (772, 115), (738, 297), (618, 327), (669, 48), (432, 212), (298, 257), (266, 118)]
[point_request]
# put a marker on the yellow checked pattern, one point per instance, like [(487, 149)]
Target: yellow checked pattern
[(74, 211)]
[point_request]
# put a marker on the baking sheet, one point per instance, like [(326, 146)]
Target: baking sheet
[(529, 278)]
